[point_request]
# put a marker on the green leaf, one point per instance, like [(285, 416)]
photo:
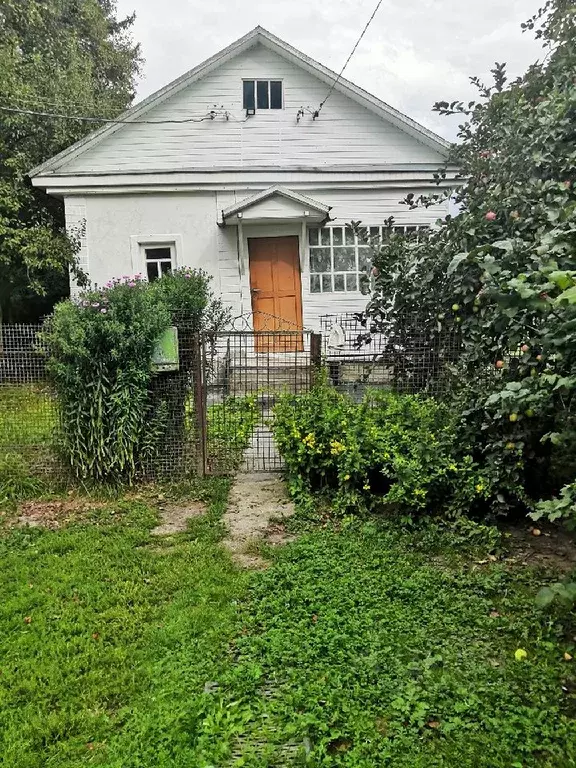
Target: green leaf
[(455, 263), (544, 597)]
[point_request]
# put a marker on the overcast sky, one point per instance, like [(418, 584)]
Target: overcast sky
[(415, 52)]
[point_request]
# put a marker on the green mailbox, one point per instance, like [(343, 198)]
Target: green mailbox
[(165, 354)]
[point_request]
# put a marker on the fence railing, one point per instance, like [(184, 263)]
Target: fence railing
[(218, 405)]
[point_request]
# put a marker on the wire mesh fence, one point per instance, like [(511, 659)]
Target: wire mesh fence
[(408, 354), (244, 373), (28, 408), (217, 407)]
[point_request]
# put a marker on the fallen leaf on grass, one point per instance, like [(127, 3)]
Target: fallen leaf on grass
[(27, 619), (494, 615), (567, 657), (433, 724), (520, 654)]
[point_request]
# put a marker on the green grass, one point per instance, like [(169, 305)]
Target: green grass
[(360, 647), (123, 634), (27, 415), (373, 654)]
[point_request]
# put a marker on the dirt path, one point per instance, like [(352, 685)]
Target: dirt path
[(257, 506)]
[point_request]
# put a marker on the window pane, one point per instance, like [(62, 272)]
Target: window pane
[(349, 235), (165, 267), (275, 94), (314, 283), (248, 95), (351, 283), (320, 260), (313, 236), (152, 271), (339, 283), (374, 231), (326, 283), (262, 94), (325, 236), (337, 236), (344, 260), (364, 258), (158, 253)]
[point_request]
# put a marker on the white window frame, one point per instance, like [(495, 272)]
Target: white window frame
[(139, 244), (268, 80), (372, 232)]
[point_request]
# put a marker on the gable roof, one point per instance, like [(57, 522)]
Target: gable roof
[(267, 39), (279, 191)]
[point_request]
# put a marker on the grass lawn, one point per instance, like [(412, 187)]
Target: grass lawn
[(361, 646), (27, 415)]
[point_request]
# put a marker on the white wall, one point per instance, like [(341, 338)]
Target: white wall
[(344, 134), (115, 221)]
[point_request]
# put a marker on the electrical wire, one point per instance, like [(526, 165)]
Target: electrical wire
[(352, 52), (212, 115)]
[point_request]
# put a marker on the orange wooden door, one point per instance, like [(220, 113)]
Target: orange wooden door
[(276, 291)]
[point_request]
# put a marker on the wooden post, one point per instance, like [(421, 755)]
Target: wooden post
[(315, 356), (199, 403)]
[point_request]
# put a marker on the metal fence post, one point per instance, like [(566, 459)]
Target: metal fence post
[(199, 403), (315, 356)]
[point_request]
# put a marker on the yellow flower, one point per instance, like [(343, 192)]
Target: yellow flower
[(336, 447), (346, 477), (309, 440), (479, 488), (366, 487), (520, 654), (453, 467)]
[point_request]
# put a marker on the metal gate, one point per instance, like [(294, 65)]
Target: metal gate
[(243, 374)]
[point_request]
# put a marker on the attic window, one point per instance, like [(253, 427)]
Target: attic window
[(262, 94)]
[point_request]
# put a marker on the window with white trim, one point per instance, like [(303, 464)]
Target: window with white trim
[(338, 258), (262, 94), (159, 260)]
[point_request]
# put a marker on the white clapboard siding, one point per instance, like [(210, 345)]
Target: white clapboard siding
[(76, 224), (344, 134)]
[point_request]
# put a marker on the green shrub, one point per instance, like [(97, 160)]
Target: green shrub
[(392, 450), (100, 349)]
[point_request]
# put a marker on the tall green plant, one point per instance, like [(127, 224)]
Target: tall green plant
[(100, 349)]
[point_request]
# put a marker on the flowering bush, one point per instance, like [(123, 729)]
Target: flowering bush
[(391, 450), (100, 347)]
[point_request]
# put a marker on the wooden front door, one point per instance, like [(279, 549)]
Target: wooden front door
[(276, 292)]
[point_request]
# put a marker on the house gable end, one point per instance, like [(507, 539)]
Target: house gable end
[(173, 129)]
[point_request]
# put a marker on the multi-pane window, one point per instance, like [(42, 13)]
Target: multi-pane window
[(159, 261), (401, 229), (262, 94), (338, 258)]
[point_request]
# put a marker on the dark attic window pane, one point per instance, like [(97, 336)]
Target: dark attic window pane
[(248, 94), (275, 94), (262, 94)]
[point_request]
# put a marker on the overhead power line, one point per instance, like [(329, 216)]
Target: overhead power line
[(211, 115), (352, 52)]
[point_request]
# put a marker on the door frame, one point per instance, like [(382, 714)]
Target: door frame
[(254, 231)]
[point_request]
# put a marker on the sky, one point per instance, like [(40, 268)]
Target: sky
[(414, 53)]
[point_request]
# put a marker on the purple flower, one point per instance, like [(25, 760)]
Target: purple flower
[(95, 304), (187, 274), (103, 310), (131, 283)]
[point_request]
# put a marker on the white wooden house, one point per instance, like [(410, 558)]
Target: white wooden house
[(236, 169)]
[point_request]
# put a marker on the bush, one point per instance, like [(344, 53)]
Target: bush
[(100, 348), (395, 451)]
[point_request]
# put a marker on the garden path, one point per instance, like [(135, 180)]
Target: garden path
[(257, 508)]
